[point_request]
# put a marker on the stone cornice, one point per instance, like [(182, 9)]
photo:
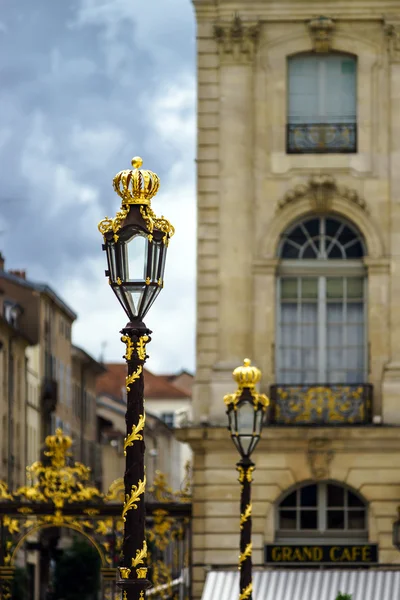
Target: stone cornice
[(372, 438), (237, 41)]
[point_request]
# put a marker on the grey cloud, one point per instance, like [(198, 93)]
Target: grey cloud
[(83, 86)]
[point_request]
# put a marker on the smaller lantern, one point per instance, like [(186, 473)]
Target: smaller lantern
[(136, 242), (246, 409)]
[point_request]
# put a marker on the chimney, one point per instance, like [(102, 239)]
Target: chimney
[(18, 273), (1, 262)]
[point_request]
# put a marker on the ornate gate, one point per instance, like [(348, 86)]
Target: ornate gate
[(60, 495)]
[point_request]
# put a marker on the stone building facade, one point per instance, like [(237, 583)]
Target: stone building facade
[(298, 164)]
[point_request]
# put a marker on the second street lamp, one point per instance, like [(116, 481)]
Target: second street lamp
[(246, 410), (135, 242)]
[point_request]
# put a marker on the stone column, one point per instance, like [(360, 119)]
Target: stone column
[(391, 378), (237, 44)]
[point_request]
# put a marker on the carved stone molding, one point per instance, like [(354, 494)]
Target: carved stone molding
[(321, 189), (319, 457), (237, 42), (392, 32), (321, 30)]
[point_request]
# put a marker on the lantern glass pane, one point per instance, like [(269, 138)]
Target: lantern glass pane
[(246, 441), (232, 424), (245, 418), (134, 258), (111, 259), (259, 421)]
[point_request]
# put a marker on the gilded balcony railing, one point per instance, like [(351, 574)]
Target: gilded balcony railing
[(321, 404), (314, 138)]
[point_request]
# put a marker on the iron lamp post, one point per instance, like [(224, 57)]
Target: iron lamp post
[(246, 409), (135, 242)]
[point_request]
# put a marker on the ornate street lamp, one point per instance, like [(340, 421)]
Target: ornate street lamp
[(246, 409), (135, 242)]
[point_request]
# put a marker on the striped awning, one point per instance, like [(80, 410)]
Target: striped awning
[(306, 585)]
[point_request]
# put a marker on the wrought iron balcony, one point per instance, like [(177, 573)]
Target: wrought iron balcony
[(321, 404), (325, 138)]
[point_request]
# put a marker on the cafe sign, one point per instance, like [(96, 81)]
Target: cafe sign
[(320, 554)]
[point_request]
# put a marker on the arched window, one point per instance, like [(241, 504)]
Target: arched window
[(322, 103), (326, 510), (321, 326)]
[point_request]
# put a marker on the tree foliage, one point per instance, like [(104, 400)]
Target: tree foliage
[(77, 573), (341, 596)]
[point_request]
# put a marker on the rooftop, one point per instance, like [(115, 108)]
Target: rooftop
[(160, 387)]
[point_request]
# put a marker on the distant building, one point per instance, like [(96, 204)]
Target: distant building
[(167, 405)]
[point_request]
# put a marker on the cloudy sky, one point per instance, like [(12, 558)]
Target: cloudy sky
[(84, 86)]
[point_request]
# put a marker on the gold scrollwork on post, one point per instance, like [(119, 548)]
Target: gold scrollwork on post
[(140, 556), (246, 553), (124, 572), (131, 501), (245, 516), (246, 593), (141, 573), (131, 378), (129, 346), (135, 435), (245, 474), (141, 347)]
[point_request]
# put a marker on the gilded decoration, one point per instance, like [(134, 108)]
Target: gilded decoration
[(319, 457), (246, 593), (140, 556), (237, 41), (136, 187), (132, 499), (321, 189), (321, 31), (246, 553), (392, 32), (58, 482), (141, 347), (135, 435), (129, 346), (350, 404), (132, 378), (44, 503), (245, 474), (247, 376), (245, 516)]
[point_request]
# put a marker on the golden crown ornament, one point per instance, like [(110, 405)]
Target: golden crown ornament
[(136, 186), (246, 375)]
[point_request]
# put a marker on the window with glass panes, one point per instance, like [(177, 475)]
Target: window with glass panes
[(321, 335), (322, 508)]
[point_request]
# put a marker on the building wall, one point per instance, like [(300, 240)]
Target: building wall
[(13, 406), (33, 404), (248, 195)]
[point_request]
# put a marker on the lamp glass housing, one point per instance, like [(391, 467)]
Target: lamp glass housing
[(245, 423), (136, 264)]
